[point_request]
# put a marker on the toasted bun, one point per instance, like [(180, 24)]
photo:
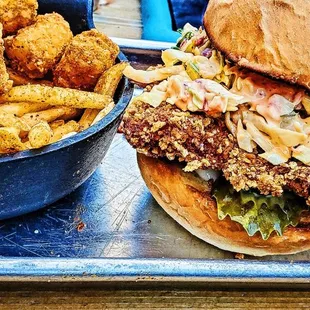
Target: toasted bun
[(187, 199), (270, 36)]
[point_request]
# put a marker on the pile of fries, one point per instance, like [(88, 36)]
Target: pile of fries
[(43, 104)]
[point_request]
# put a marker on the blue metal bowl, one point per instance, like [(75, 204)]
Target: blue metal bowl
[(33, 179)]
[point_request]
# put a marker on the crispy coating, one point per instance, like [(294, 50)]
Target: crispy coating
[(17, 14), (245, 171), (202, 142), (5, 83), (166, 131), (88, 55), (37, 48)]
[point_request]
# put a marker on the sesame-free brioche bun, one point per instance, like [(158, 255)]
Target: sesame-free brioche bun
[(187, 199), (269, 36)]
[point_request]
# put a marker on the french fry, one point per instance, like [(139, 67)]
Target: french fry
[(10, 141), (57, 123), (27, 145), (56, 96), (50, 115), (21, 108), (59, 132), (87, 118), (103, 113), (106, 85), (40, 135), (19, 79), (10, 120), (68, 135), (110, 79)]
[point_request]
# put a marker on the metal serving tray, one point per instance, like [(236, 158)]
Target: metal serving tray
[(112, 230)]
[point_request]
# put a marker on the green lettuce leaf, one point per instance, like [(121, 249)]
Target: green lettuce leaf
[(258, 213)]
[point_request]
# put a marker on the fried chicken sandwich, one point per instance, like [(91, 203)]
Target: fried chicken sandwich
[(222, 127)]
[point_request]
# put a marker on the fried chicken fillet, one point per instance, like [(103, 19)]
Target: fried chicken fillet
[(5, 83), (17, 14), (36, 49), (87, 56), (202, 142)]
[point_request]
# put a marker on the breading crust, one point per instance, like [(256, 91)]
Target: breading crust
[(87, 56), (17, 14), (202, 142), (36, 49)]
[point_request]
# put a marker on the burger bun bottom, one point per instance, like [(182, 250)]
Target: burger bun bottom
[(187, 199)]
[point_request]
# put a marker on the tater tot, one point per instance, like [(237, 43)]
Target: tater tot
[(17, 14), (37, 48), (87, 56)]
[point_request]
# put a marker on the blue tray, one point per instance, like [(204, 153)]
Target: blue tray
[(112, 229)]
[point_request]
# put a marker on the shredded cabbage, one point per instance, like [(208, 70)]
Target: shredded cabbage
[(260, 138), (192, 70), (208, 67), (276, 107), (193, 40), (195, 66), (230, 125), (151, 76), (171, 56), (152, 98), (306, 103), (244, 138), (278, 156), (278, 135), (302, 153), (216, 88)]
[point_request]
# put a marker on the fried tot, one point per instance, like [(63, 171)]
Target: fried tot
[(37, 48), (40, 135), (17, 14), (5, 83), (56, 96), (10, 141), (50, 115), (87, 56)]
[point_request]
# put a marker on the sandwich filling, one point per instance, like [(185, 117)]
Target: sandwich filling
[(202, 110)]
